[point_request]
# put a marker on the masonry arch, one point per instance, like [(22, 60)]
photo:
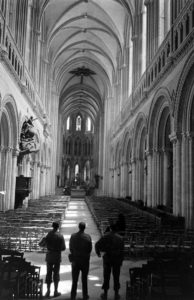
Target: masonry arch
[(117, 171), (160, 151), (127, 155), (184, 142), (8, 151), (139, 171)]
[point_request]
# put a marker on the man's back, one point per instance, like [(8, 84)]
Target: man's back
[(112, 245), (80, 245), (55, 241), (55, 244)]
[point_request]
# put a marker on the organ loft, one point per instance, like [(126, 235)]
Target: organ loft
[(97, 103)]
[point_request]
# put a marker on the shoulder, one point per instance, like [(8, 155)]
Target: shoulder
[(87, 235), (74, 235), (60, 236), (50, 233)]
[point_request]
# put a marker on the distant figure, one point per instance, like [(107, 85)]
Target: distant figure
[(97, 177), (108, 228), (58, 178), (112, 245), (80, 246), (121, 224), (55, 243)]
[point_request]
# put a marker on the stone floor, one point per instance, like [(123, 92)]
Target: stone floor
[(78, 211)]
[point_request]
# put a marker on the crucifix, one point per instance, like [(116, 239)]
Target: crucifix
[(82, 72)]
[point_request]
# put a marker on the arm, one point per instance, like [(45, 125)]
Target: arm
[(71, 244), (90, 249), (100, 246), (63, 246)]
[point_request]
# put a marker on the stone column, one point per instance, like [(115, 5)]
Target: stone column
[(2, 174), (44, 180), (8, 177), (111, 184), (184, 179), (165, 178), (134, 39), (123, 180), (133, 164), (41, 179), (191, 180), (137, 180), (34, 179), (157, 170), (118, 185), (149, 177), (37, 195), (48, 183), (4, 186), (176, 174), (145, 172), (154, 179), (15, 154), (115, 183), (129, 192)]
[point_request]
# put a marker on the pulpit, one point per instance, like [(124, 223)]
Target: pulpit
[(23, 189)]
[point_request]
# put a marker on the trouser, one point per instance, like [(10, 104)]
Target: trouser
[(115, 267), (78, 266), (52, 272)]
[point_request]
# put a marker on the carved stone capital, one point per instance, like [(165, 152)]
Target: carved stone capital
[(15, 152), (3, 53), (149, 152), (8, 149), (190, 135), (175, 137), (2, 149)]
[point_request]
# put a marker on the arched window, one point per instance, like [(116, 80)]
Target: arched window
[(78, 123), (11, 14), (68, 123), (130, 63), (88, 124), (164, 19), (68, 171), (76, 170), (144, 33), (3, 6)]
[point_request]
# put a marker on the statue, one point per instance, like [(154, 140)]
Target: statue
[(29, 141)]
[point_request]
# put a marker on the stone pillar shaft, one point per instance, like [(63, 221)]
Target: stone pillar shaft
[(149, 178)]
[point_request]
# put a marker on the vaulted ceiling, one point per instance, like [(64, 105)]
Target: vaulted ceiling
[(84, 38)]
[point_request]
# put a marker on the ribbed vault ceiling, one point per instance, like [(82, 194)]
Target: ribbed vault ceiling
[(83, 39)]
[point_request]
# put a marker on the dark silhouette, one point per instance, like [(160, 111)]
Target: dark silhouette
[(55, 243), (121, 224), (58, 179), (80, 246), (108, 228), (112, 245)]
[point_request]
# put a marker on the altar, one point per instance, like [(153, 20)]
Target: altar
[(78, 192)]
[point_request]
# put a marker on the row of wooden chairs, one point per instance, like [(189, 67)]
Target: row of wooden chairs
[(18, 278), (144, 236), (21, 229), (164, 277)]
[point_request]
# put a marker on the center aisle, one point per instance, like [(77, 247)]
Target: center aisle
[(77, 211)]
